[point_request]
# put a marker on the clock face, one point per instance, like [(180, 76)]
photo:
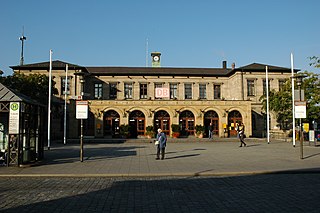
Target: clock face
[(156, 58)]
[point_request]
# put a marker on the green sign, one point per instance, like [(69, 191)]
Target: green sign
[(14, 106)]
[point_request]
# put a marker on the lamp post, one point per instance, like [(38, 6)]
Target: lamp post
[(299, 80), (22, 38)]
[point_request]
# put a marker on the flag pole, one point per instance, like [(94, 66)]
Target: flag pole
[(49, 99), (268, 116), (293, 107), (65, 107)]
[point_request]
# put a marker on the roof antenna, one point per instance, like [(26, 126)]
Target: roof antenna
[(22, 38)]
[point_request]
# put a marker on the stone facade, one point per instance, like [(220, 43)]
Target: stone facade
[(125, 95)]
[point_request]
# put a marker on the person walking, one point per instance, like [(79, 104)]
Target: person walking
[(211, 131), (161, 146), (241, 134)]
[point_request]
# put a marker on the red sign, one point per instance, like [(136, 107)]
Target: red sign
[(162, 93)]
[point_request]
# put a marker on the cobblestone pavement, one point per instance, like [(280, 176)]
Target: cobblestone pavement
[(196, 176), (251, 193)]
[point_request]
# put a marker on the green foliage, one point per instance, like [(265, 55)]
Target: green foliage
[(315, 61), (149, 129), (280, 102), (175, 127), (199, 129), (34, 86), (311, 86), (124, 130)]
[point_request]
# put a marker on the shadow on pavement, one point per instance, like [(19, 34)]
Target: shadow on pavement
[(182, 156), (60, 156), (254, 193)]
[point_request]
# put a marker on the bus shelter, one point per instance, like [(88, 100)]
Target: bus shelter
[(22, 128)]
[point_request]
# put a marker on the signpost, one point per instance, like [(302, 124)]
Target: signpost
[(300, 109), (14, 118), (81, 113), (82, 109)]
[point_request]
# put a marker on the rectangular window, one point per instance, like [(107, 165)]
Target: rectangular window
[(250, 88), (63, 84), (216, 92), (188, 91), (143, 91), (282, 83), (128, 90), (113, 91), (265, 86), (202, 91), (173, 91), (98, 91)]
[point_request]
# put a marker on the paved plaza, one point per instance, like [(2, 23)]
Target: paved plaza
[(195, 176)]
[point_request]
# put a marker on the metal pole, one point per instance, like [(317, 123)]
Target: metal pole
[(81, 141), (268, 116), (81, 122), (49, 99), (293, 107), (65, 108), (300, 133), (301, 141)]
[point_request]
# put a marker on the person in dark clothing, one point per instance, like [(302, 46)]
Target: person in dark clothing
[(241, 134), (211, 131), (161, 146)]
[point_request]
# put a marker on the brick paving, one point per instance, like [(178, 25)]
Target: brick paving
[(196, 176), (253, 193)]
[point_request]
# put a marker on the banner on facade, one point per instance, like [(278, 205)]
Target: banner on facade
[(162, 93), (82, 109), (14, 117)]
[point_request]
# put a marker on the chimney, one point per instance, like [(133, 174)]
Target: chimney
[(233, 66), (224, 64)]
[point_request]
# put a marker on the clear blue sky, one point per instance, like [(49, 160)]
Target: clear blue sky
[(188, 33)]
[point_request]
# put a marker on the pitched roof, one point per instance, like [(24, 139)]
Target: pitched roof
[(159, 71), (262, 67), (45, 65), (155, 71), (7, 94)]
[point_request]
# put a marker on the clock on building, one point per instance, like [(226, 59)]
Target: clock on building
[(156, 58)]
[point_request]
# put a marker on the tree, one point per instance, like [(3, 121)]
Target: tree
[(280, 101), (34, 86)]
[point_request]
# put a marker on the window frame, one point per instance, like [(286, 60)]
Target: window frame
[(128, 90), (113, 90), (98, 90), (63, 79), (187, 91), (216, 93), (143, 87), (203, 91), (173, 90), (251, 87)]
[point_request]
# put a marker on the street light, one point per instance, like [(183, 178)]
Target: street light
[(299, 80), (22, 38)]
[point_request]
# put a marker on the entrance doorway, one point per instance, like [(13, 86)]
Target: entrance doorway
[(111, 123), (136, 123), (162, 121), (211, 117), (186, 121), (234, 117)]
